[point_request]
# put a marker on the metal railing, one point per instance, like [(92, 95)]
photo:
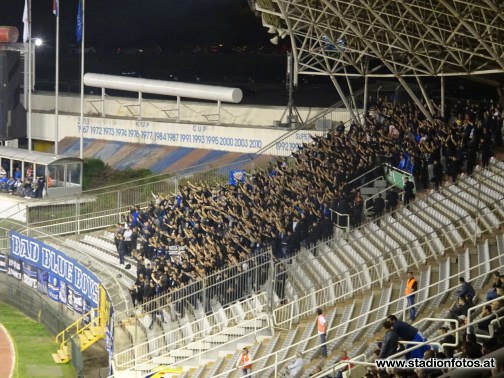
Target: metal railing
[(472, 311), (79, 326), (220, 284), (278, 362), (302, 304), (339, 366), (196, 340), (119, 298), (340, 220)]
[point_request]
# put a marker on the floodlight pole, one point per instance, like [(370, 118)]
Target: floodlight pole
[(290, 84), (30, 77)]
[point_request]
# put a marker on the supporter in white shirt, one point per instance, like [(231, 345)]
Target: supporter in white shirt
[(295, 369)]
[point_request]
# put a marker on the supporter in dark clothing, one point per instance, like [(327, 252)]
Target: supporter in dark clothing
[(379, 206), (460, 309), (121, 249), (466, 290), (392, 199), (448, 339), (407, 332), (390, 341), (409, 188), (486, 315), (437, 171)]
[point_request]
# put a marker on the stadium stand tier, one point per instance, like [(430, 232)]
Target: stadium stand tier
[(198, 252)]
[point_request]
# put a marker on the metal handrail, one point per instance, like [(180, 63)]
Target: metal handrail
[(277, 363), (391, 252), (299, 300), (336, 367), (199, 336), (62, 339), (208, 338), (263, 258)]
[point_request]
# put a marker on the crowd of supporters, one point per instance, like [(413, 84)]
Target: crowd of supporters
[(185, 236)]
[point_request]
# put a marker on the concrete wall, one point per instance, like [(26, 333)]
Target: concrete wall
[(244, 129), (194, 112)]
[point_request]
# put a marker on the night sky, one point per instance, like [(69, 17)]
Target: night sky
[(144, 23)]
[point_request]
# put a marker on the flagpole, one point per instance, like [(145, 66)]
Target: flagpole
[(82, 80), (30, 68), (56, 84)]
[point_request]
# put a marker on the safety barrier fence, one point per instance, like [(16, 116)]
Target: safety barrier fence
[(115, 292), (219, 289), (247, 323), (31, 303), (328, 292), (303, 305), (280, 362), (284, 316)]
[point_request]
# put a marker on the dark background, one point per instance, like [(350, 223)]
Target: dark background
[(217, 42)]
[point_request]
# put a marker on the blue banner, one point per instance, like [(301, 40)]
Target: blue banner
[(70, 298), (63, 295), (14, 268), (78, 304), (30, 275), (43, 277), (67, 270), (53, 287), (236, 176), (3, 263)]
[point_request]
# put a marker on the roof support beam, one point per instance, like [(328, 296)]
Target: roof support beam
[(474, 32), (379, 55), (425, 95)]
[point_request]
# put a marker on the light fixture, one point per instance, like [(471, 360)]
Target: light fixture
[(38, 42), (282, 33), (271, 30), (274, 40)]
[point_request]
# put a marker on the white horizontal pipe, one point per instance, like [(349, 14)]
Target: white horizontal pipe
[(161, 87)]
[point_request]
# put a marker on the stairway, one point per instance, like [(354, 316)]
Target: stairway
[(87, 334)]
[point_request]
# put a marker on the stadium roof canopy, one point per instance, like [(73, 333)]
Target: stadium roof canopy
[(390, 38)]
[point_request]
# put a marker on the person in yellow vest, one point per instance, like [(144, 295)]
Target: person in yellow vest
[(322, 332), (411, 289), (244, 363)]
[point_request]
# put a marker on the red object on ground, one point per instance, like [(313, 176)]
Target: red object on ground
[(6, 354), (8, 34)]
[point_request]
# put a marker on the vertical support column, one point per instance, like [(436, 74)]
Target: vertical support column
[(366, 96), (178, 108), (218, 112), (26, 76), (139, 105), (442, 96), (103, 102), (351, 94), (77, 216), (343, 98), (425, 96), (46, 174), (29, 119)]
